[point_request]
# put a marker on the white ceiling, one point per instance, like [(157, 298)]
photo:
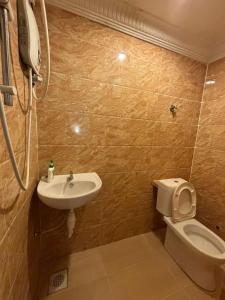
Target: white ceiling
[(195, 28)]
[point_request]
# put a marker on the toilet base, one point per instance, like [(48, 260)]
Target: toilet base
[(198, 268)]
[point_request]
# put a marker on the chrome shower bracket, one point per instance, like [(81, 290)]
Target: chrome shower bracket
[(11, 90), (5, 13)]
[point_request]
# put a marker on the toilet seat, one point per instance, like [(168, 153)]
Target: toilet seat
[(184, 202)]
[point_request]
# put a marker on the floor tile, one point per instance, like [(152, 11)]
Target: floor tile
[(85, 268), (122, 254), (142, 281), (137, 268), (180, 295), (196, 293), (96, 290)]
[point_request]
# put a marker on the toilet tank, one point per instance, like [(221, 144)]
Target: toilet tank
[(166, 188)]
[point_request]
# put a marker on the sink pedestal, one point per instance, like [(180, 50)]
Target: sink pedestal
[(71, 221)]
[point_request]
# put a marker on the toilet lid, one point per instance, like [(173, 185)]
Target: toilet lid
[(184, 202)]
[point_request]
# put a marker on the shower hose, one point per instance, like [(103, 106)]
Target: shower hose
[(24, 183)]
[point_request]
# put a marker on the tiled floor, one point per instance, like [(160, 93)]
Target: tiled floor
[(136, 268)]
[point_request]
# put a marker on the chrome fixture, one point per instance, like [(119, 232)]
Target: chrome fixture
[(5, 51), (173, 109), (11, 90), (70, 177)]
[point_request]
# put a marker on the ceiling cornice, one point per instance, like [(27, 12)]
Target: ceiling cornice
[(128, 19)]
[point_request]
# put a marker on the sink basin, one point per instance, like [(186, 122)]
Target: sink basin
[(61, 194)]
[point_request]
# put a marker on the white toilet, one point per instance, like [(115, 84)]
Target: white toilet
[(194, 247)]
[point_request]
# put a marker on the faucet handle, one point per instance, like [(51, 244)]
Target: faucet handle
[(70, 177)]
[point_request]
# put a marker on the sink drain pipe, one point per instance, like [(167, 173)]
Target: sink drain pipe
[(71, 221)]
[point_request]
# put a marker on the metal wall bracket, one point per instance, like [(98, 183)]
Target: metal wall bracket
[(173, 110), (8, 89), (5, 51)]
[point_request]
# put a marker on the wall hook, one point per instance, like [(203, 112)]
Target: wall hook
[(173, 109)]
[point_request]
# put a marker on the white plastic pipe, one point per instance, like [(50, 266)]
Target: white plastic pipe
[(25, 183), (71, 221)]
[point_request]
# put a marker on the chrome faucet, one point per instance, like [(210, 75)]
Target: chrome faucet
[(70, 177)]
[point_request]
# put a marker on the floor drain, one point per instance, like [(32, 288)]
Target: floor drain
[(58, 281)]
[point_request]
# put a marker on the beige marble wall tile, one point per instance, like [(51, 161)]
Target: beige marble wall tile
[(17, 243), (4, 274), (179, 158), (104, 36), (129, 132), (214, 92), (13, 214), (212, 112), (181, 77), (21, 288), (50, 218), (94, 97), (90, 215), (217, 67), (138, 182), (59, 239), (208, 164), (81, 240), (112, 117), (174, 134), (171, 173), (211, 136), (3, 147)]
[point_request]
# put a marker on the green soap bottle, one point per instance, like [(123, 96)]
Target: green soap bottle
[(51, 169)]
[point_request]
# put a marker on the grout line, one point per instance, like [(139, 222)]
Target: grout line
[(90, 114), (29, 197), (13, 283), (126, 87), (198, 126), (177, 291), (37, 136), (108, 146), (106, 272)]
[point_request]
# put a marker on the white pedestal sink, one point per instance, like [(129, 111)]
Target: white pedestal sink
[(63, 194)]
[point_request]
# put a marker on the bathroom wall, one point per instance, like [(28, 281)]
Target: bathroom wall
[(208, 173), (18, 249), (112, 117)]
